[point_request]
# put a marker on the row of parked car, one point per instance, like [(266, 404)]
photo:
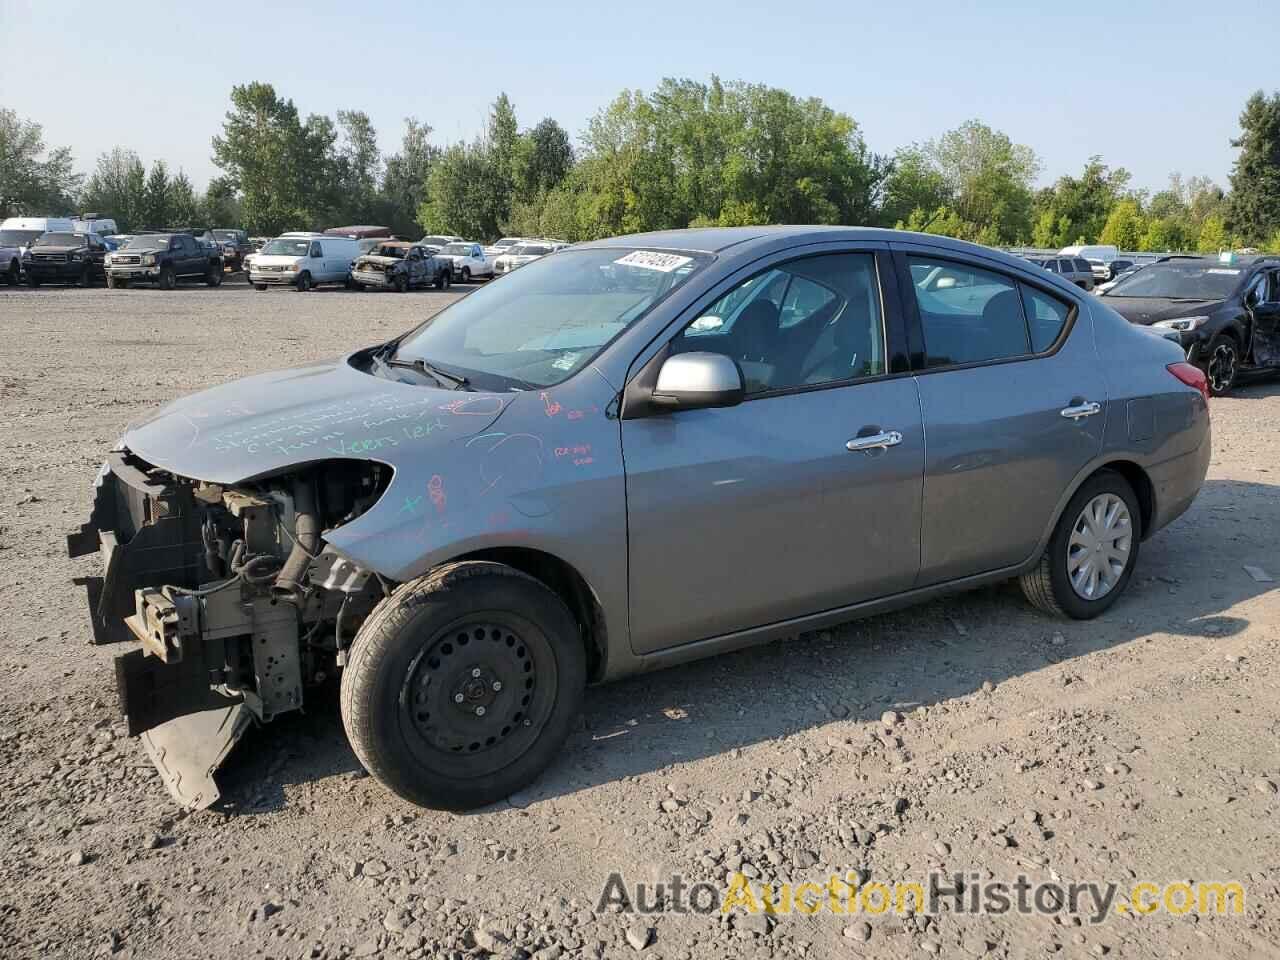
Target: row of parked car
[(83, 250)]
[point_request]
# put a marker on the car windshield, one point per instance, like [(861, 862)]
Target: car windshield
[(282, 247), (547, 321), (506, 242), (1180, 281), (390, 250), (457, 250), (529, 250), (16, 238), (435, 241), (59, 240), (232, 235), (148, 241)]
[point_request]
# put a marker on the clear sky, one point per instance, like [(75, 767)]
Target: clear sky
[(1151, 86)]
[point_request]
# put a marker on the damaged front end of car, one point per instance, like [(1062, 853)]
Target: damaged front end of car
[(232, 598)]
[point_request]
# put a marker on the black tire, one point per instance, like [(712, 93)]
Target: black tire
[(466, 274), (214, 277), (86, 277), (421, 650), (13, 273), (303, 283), (400, 283), (1049, 586), (112, 282), (32, 282), (260, 286), (443, 279), (168, 279), (1222, 364)]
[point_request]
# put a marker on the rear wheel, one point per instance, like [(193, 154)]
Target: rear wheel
[(1092, 552), (462, 686), (11, 275), (32, 281), (214, 277), (168, 279), (304, 283), (260, 286), (1223, 364)]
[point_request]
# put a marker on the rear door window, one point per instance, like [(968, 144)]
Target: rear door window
[(967, 314)]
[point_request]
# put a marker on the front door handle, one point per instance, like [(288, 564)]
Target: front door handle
[(1080, 409), (876, 441)]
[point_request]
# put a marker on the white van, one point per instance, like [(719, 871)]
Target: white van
[(43, 224), (92, 223), (303, 262), (1102, 252)]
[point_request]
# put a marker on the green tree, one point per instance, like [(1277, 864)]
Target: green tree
[(117, 188), (184, 206), (1078, 207), (457, 201), (33, 179), (1125, 226), (913, 182), (156, 207), (358, 168), (220, 207), (988, 178), (404, 179), (1253, 210), (1213, 236), (284, 168), (542, 159)]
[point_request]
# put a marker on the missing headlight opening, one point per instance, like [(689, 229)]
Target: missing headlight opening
[(234, 600)]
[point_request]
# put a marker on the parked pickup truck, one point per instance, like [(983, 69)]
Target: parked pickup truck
[(400, 266), (64, 258), (164, 259)]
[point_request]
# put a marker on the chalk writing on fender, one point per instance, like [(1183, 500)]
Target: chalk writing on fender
[(581, 454)]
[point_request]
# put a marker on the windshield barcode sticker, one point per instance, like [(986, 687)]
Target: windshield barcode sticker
[(1229, 273), (647, 260)]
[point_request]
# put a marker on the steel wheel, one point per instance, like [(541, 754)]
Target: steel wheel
[(1098, 549), (475, 687), (1223, 361)]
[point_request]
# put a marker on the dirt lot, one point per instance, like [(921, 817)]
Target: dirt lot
[(969, 735)]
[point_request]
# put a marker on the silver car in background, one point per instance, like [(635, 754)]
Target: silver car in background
[(628, 455)]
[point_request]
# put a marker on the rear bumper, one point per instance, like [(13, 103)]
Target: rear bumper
[(1177, 482)]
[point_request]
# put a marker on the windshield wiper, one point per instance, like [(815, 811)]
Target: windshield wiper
[(442, 377)]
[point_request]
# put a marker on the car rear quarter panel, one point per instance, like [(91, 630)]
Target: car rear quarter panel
[(1153, 419)]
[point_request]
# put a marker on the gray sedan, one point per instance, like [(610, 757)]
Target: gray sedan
[(632, 454)]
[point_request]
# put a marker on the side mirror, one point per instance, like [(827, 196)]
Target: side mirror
[(693, 381)]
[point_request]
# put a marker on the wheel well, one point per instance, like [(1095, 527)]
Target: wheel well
[(1142, 489), (566, 583)]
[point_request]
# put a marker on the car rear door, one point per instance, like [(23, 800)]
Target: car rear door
[(805, 497), (1266, 323), (1013, 402)]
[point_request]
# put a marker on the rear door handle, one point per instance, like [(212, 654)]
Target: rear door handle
[(876, 441), (1080, 409)]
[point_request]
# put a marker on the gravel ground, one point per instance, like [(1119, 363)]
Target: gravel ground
[(971, 734)]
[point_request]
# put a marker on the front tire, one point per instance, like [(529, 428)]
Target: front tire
[(443, 279), (303, 283), (1092, 552), (168, 279), (400, 283), (1223, 364), (462, 686), (214, 277), (260, 286), (466, 274), (13, 273)]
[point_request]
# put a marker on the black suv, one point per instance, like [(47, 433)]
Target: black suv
[(64, 258), (164, 259), (1225, 312)]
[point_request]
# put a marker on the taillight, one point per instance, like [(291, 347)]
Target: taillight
[(1192, 376)]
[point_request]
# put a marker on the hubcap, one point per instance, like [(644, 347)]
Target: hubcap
[(1098, 551), (1222, 367), (472, 688)]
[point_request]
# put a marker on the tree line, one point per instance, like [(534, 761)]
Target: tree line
[(684, 154)]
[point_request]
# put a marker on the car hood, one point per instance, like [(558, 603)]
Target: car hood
[(271, 422), (147, 249), (1149, 310)]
